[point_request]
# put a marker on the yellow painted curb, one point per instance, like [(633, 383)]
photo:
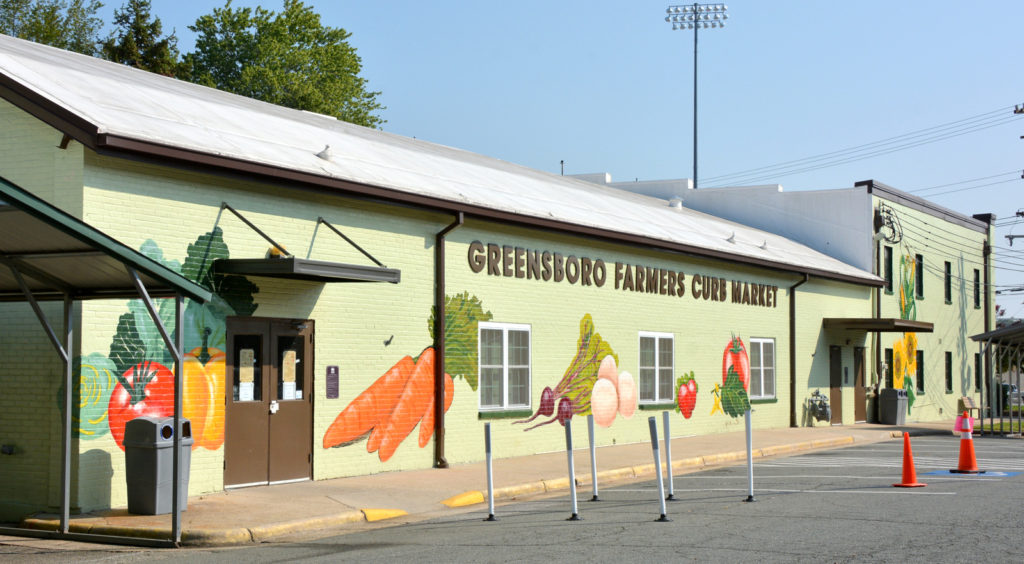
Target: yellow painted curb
[(556, 484), (723, 458), (616, 474), (382, 514), (521, 489), (821, 443), (695, 461), (263, 533), (225, 537), (643, 470), (40, 524), (465, 498)]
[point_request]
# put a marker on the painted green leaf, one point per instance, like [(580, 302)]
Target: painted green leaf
[(462, 316), (735, 401), (237, 291), (579, 379), (200, 256), (126, 349)]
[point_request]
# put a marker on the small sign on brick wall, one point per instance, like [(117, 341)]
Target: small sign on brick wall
[(332, 382)]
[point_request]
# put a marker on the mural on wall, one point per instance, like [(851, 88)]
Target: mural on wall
[(133, 378), (904, 350), (686, 394), (386, 412), (591, 384), (731, 397)]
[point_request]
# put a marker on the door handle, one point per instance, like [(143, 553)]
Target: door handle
[(274, 406)]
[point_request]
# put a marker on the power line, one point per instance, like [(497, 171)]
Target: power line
[(915, 191), (850, 154)]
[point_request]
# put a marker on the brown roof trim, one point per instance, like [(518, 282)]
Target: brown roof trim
[(924, 206), (877, 325), (115, 143), (59, 118)]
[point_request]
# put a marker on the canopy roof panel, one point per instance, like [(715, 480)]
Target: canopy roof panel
[(57, 255), (116, 109), (878, 325)]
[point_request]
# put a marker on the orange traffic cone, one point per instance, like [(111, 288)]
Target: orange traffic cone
[(909, 474), (967, 464)]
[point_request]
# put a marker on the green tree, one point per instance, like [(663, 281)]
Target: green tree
[(290, 59), (138, 40), (67, 25)]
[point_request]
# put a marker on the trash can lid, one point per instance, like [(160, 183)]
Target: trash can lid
[(155, 432)]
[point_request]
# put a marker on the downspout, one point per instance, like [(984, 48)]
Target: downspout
[(792, 349), (439, 330), (877, 337)]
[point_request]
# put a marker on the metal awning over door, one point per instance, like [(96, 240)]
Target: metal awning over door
[(47, 254)]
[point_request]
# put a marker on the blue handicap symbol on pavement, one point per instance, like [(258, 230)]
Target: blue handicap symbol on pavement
[(984, 473)]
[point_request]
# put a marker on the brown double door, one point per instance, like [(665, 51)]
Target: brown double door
[(268, 416)]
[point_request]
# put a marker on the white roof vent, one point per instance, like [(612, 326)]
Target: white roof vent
[(732, 238), (325, 154), (676, 203)]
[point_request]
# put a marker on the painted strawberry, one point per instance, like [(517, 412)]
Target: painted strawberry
[(686, 394)]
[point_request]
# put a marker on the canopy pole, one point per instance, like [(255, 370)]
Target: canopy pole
[(65, 467), (179, 347)]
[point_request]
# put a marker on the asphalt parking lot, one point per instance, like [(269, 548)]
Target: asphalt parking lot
[(826, 506)]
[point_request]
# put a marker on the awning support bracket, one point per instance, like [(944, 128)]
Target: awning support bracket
[(320, 220), (39, 314), (225, 206)]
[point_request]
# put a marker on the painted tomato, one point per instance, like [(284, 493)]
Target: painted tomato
[(144, 389), (735, 356), (203, 397)]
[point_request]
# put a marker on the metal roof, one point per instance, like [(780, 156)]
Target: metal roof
[(59, 255), (116, 109), (1011, 334)]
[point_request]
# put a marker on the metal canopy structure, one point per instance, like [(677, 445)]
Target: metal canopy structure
[(1002, 347), (50, 255), (305, 269), (878, 325)]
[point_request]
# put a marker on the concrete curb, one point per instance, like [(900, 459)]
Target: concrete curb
[(644, 471), (208, 537)]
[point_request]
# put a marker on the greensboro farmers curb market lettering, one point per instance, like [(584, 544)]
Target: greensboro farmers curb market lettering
[(516, 262)]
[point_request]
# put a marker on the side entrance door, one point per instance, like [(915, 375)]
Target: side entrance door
[(268, 415), (835, 376), (860, 390)]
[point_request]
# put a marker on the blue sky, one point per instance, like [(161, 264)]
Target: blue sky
[(607, 86)]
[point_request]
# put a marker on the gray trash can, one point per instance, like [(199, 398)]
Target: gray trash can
[(901, 408), (892, 406), (149, 464)]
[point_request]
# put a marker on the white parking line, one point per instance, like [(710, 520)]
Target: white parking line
[(764, 490)]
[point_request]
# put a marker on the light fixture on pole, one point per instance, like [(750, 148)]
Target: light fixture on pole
[(696, 17)]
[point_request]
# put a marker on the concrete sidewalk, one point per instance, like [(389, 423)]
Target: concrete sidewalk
[(260, 514)]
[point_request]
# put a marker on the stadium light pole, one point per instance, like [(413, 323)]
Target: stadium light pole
[(696, 16)]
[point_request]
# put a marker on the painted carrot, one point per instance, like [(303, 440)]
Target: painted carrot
[(365, 412), (411, 406), (427, 424)]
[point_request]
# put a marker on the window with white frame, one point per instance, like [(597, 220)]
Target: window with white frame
[(504, 366), (656, 366), (762, 368)]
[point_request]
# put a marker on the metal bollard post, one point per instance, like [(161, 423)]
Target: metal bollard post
[(593, 457), (653, 424), (490, 473), (572, 472), (750, 459), (668, 457)]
